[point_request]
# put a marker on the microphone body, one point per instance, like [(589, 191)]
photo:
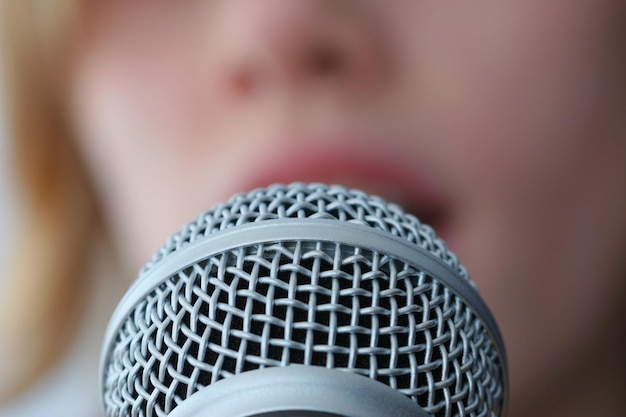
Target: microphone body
[(303, 300)]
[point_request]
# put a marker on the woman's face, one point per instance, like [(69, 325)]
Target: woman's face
[(499, 122)]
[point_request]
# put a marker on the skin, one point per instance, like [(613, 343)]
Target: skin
[(513, 113)]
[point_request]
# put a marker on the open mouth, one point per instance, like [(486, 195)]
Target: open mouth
[(381, 172), (435, 216)]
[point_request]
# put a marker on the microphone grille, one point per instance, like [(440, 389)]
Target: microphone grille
[(190, 321), (312, 201)]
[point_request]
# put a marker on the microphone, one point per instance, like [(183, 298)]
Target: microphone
[(303, 300)]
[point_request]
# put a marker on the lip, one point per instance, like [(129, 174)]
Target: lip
[(376, 170)]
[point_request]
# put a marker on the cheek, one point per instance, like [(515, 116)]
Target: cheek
[(144, 67), (143, 97), (524, 123), (138, 117), (512, 86)]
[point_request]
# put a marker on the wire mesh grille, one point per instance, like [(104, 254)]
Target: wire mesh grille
[(303, 302), (316, 201)]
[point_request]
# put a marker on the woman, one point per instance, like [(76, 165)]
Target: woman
[(499, 123)]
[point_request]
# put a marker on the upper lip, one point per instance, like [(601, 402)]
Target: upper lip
[(377, 170)]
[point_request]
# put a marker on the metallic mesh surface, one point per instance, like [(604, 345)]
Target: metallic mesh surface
[(315, 201), (303, 302)]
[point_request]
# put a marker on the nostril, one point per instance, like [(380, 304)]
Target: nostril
[(245, 80), (326, 60), (306, 47)]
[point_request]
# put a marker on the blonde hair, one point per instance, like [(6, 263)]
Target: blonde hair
[(41, 303)]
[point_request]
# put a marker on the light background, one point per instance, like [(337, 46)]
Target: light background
[(7, 197)]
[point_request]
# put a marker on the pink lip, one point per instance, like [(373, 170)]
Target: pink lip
[(373, 169)]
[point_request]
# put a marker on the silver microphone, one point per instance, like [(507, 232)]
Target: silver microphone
[(303, 300)]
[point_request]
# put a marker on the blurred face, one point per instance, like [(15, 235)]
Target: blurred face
[(501, 123)]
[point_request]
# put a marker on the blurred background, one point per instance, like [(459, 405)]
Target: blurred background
[(7, 198)]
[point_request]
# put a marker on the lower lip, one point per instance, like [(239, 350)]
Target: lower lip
[(379, 171)]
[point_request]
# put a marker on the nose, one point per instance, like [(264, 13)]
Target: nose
[(298, 45)]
